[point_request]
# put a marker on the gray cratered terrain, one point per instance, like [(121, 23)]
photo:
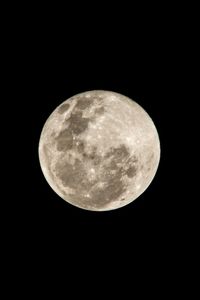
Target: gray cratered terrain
[(99, 150)]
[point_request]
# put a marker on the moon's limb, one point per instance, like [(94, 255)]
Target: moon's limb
[(99, 150)]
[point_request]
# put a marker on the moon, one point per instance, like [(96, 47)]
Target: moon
[(99, 150)]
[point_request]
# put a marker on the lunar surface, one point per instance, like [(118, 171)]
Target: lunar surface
[(99, 150)]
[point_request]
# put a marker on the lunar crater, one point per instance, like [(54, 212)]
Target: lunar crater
[(63, 108)]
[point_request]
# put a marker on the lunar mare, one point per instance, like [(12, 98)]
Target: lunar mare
[(99, 150)]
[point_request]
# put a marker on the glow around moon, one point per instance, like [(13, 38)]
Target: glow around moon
[(99, 150)]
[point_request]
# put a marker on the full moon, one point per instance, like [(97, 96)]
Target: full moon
[(99, 150)]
